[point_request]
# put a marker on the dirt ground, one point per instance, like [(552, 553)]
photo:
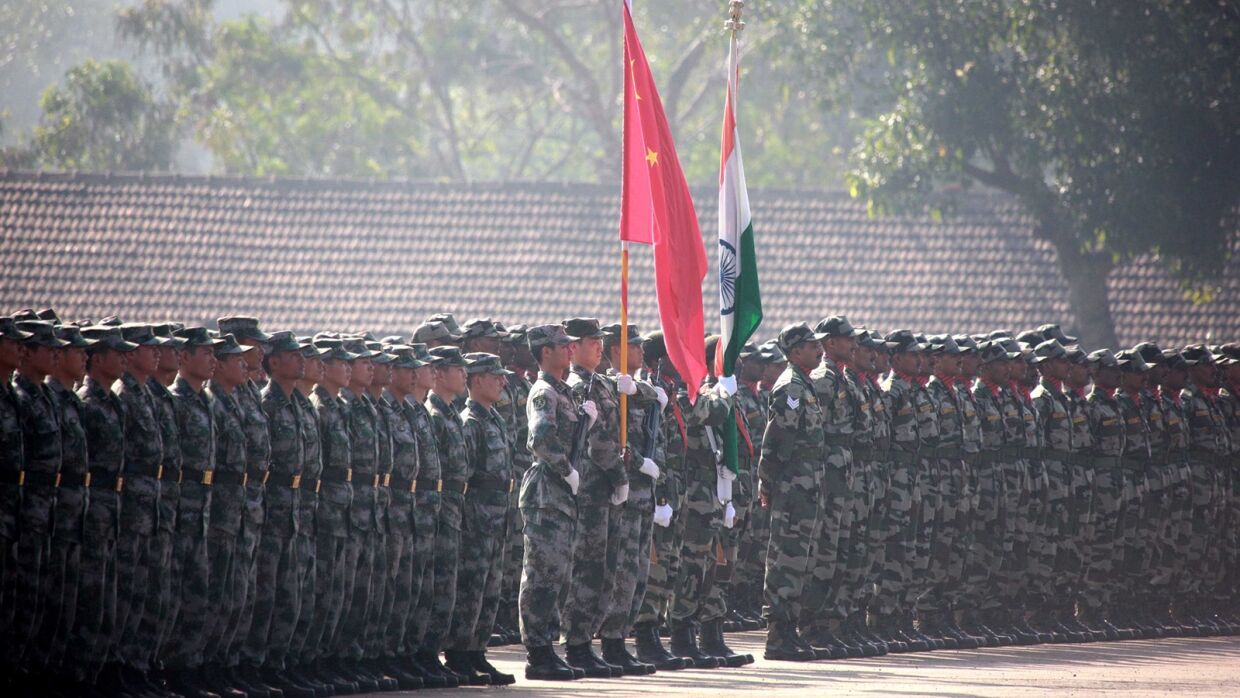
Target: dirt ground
[(1197, 666)]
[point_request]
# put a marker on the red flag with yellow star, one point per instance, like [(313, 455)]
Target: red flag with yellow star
[(656, 209)]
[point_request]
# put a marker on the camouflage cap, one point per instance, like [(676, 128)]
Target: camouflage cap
[(1197, 354), (611, 333), (1174, 361), (357, 347), (448, 356), (482, 362), (748, 351), (1076, 355), (1150, 352), (1052, 331), (1131, 362), (141, 334), (482, 327), (771, 353), (391, 340), (165, 331), (197, 337), (547, 335), (943, 344), (107, 338), (999, 334), (231, 346), (41, 333), (967, 344), (837, 326), (422, 354), (793, 335), (8, 330), (111, 321), (50, 315), (448, 320), (434, 331), (516, 335), (903, 341), (993, 351), (73, 335), (382, 354), (1031, 337), (1049, 350), (332, 348), (1102, 358), (654, 347), (281, 342), (26, 315), (406, 356), (242, 327), (308, 349), (582, 327)]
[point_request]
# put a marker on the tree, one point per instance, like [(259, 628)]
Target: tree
[(102, 119), (1116, 123)]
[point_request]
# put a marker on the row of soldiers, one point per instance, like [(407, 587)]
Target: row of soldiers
[(235, 513), (965, 491)]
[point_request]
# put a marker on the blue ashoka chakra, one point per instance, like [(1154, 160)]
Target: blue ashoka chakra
[(727, 278)]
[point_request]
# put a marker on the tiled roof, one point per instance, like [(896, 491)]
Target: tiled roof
[(307, 255)]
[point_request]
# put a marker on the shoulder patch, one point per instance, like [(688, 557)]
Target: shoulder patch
[(540, 401)]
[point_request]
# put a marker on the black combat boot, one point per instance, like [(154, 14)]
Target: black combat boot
[(543, 664), (429, 663), (459, 663), (481, 665), (650, 649), (710, 639), (684, 644), (582, 656), (616, 654), (783, 645)]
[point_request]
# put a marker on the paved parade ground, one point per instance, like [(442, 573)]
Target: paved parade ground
[(1198, 667)]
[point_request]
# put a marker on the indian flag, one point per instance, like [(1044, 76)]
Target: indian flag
[(740, 303)]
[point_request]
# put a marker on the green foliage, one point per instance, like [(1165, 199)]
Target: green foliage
[(103, 118)]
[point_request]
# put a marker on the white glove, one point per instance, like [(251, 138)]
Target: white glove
[(591, 411), (723, 490), (620, 495), (650, 469), (725, 473), (573, 480), (726, 386), (626, 384), (729, 516), (662, 395), (663, 515)]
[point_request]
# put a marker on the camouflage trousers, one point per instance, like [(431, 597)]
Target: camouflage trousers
[(728, 547), (95, 618), (898, 529), (1056, 532), (1179, 502), (307, 592), (480, 569), (664, 567), (135, 561), (359, 556), (443, 573), (835, 511), (332, 581), (245, 559), (190, 570), (746, 593), (511, 586), (795, 522), (421, 580), (927, 501), (1040, 568), (629, 553), (872, 541), (379, 605), (1019, 529), (592, 576), (950, 539), (32, 553), (1101, 583), (1225, 590), (989, 526), (703, 520), (545, 573), (277, 575)]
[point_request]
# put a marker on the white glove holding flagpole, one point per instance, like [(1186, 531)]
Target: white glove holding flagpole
[(726, 386), (729, 516), (591, 411), (620, 495), (663, 515), (626, 384), (573, 480), (650, 469)]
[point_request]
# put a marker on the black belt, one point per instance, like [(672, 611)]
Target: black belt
[(292, 482), (152, 470), (839, 439), (425, 485), (455, 486), (101, 479), (368, 480), (489, 483), (402, 484), (75, 479), (332, 473), (1057, 454), (31, 477), (12, 477), (252, 476), (197, 475), (310, 484)]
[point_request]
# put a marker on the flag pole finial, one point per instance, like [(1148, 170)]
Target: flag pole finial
[(734, 23)]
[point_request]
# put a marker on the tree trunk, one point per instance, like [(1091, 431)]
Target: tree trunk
[(1086, 274)]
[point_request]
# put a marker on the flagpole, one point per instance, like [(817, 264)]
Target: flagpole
[(624, 341)]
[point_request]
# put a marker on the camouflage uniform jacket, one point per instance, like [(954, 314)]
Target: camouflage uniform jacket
[(794, 442), (103, 418), (335, 494), (362, 420), (11, 460), (404, 462), (195, 424), (602, 470), (285, 423), (228, 501), (1106, 422), (311, 465), (144, 449), (552, 419), (74, 463), (485, 435)]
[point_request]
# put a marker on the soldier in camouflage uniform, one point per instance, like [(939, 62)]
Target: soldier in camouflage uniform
[(823, 601), (1228, 357), (548, 502), (380, 605), (790, 476), (11, 469), (629, 539), (872, 362), (191, 407), (1107, 424), (455, 471), (1171, 580), (744, 602), (604, 490), (103, 422), (515, 354), (669, 502), (970, 418), (60, 576), (484, 519)]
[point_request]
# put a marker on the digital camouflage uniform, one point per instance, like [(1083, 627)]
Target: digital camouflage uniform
[(945, 558), (11, 467), (548, 509), (791, 472), (103, 420), (905, 401), (959, 595), (455, 469), (1055, 427), (1172, 577), (333, 576), (512, 407), (159, 614), (191, 561), (990, 526), (669, 490), (362, 423), (248, 399), (484, 522), (1107, 424), (226, 522), (1129, 551), (880, 465), (427, 502), (277, 601), (299, 650), (853, 571), (381, 598), (401, 535), (1210, 444)]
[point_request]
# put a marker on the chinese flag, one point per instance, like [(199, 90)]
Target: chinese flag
[(656, 209)]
